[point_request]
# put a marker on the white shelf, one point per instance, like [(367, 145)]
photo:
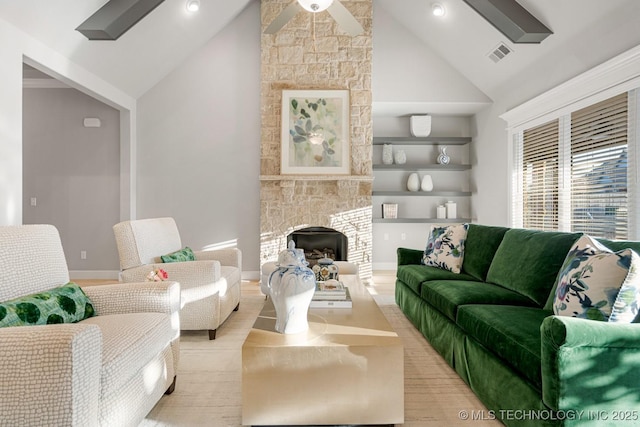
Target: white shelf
[(420, 220), (423, 193), (419, 140), (428, 167)]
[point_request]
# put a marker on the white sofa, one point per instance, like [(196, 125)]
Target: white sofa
[(107, 370), (210, 285)]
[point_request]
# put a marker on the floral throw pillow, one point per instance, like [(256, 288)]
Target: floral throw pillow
[(445, 247), (598, 284)]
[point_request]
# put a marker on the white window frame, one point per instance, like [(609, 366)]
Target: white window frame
[(615, 76)]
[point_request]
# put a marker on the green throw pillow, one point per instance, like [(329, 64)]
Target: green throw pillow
[(65, 304), (182, 255)]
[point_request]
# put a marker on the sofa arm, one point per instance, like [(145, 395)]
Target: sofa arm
[(186, 272), (229, 256), (409, 256), (591, 366), (50, 375), (139, 297)]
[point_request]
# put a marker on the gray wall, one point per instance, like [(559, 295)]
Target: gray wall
[(73, 172), (198, 156)]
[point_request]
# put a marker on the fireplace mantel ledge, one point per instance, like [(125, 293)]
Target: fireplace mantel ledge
[(316, 178)]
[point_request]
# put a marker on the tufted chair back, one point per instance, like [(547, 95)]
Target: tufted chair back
[(31, 260)]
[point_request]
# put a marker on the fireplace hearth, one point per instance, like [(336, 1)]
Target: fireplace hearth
[(320, 241)]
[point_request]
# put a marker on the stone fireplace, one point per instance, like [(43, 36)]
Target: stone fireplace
[(325, 58), (320, 242)]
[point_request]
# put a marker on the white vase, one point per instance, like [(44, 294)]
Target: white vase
[(451, 210), (427, 183), (443, 158), (441, 212), (400, 157), (413, 183), (291, 287), (387, 154)]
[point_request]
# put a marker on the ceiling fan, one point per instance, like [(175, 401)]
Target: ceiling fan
[(341, 14)]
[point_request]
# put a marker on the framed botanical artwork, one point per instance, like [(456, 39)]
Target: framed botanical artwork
[(315, 132)]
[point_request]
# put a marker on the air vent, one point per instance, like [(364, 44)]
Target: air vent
[(499, 52)]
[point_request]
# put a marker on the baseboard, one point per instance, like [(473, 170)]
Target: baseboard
[(94, 274), (250, 275)]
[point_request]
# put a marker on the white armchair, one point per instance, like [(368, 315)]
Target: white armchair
[(110, 369), (210, 286)]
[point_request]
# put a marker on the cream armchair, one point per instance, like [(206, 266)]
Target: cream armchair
[(210, 286), (108, 370)]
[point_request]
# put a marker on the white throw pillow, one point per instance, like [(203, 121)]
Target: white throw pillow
[(598, 284), (445, 247)]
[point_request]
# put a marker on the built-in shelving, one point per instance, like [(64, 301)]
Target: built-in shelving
[(421, 220), (417, 140), (423, 193), (458, 178), (428, 167)]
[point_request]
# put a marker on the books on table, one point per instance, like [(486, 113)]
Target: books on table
[(331, 294)]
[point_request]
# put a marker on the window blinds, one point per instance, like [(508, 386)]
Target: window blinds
[(540, 177), (599, 168)]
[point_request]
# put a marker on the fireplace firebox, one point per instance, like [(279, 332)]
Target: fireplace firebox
[(320, 241)]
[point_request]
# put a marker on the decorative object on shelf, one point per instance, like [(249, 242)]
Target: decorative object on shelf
[(387, 154), (291, 286), (443, 158), (390, 210), (325, 269), (441, 212), (315, 132), (413, 183), (420, 125), (400, 157), (427, 183), (451, 210)]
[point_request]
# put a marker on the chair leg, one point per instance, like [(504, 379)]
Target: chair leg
[(172, 387), (237, 307), (212, 334)]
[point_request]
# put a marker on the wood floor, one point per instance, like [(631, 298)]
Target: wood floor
[(208, 391)]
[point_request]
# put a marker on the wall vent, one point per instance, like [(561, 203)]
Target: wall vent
[(499, 52)]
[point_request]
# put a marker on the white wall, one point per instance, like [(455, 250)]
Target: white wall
[(73, 172), (199, 142)]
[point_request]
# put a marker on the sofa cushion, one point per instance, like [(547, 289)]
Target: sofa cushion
[(511, 333), (64, 304), (528, 261), (598, 284), (445, 247), (129, 342), (414, 275), (613, 245), (182, 255), (479, 249), (448, 295)]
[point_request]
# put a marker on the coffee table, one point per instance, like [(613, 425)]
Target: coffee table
[(348, 368)]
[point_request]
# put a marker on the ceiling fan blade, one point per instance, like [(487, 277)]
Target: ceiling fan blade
[(344, 18), (284, 17)]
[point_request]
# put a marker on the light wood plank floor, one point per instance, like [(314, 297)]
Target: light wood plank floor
[(208, 390)]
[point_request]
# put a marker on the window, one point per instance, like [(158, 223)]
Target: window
[(599, 169), (571, 173)]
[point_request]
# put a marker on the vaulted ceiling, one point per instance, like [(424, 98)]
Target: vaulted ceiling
[(586, 33)]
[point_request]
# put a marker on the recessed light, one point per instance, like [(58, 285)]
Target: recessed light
[(193, 5), (438, 10)]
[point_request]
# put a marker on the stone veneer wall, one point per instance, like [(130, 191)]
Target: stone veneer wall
[(294, 58)]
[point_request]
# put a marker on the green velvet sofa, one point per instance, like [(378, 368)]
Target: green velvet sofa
[(494, 324)]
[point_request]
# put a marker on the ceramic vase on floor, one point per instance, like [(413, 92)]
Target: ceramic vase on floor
[(291, 287), (413, 183), (427, 183)]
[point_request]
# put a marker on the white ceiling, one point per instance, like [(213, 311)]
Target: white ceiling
[(586, 33)]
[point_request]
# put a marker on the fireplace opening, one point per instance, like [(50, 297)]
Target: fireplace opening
[(320, 241)]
